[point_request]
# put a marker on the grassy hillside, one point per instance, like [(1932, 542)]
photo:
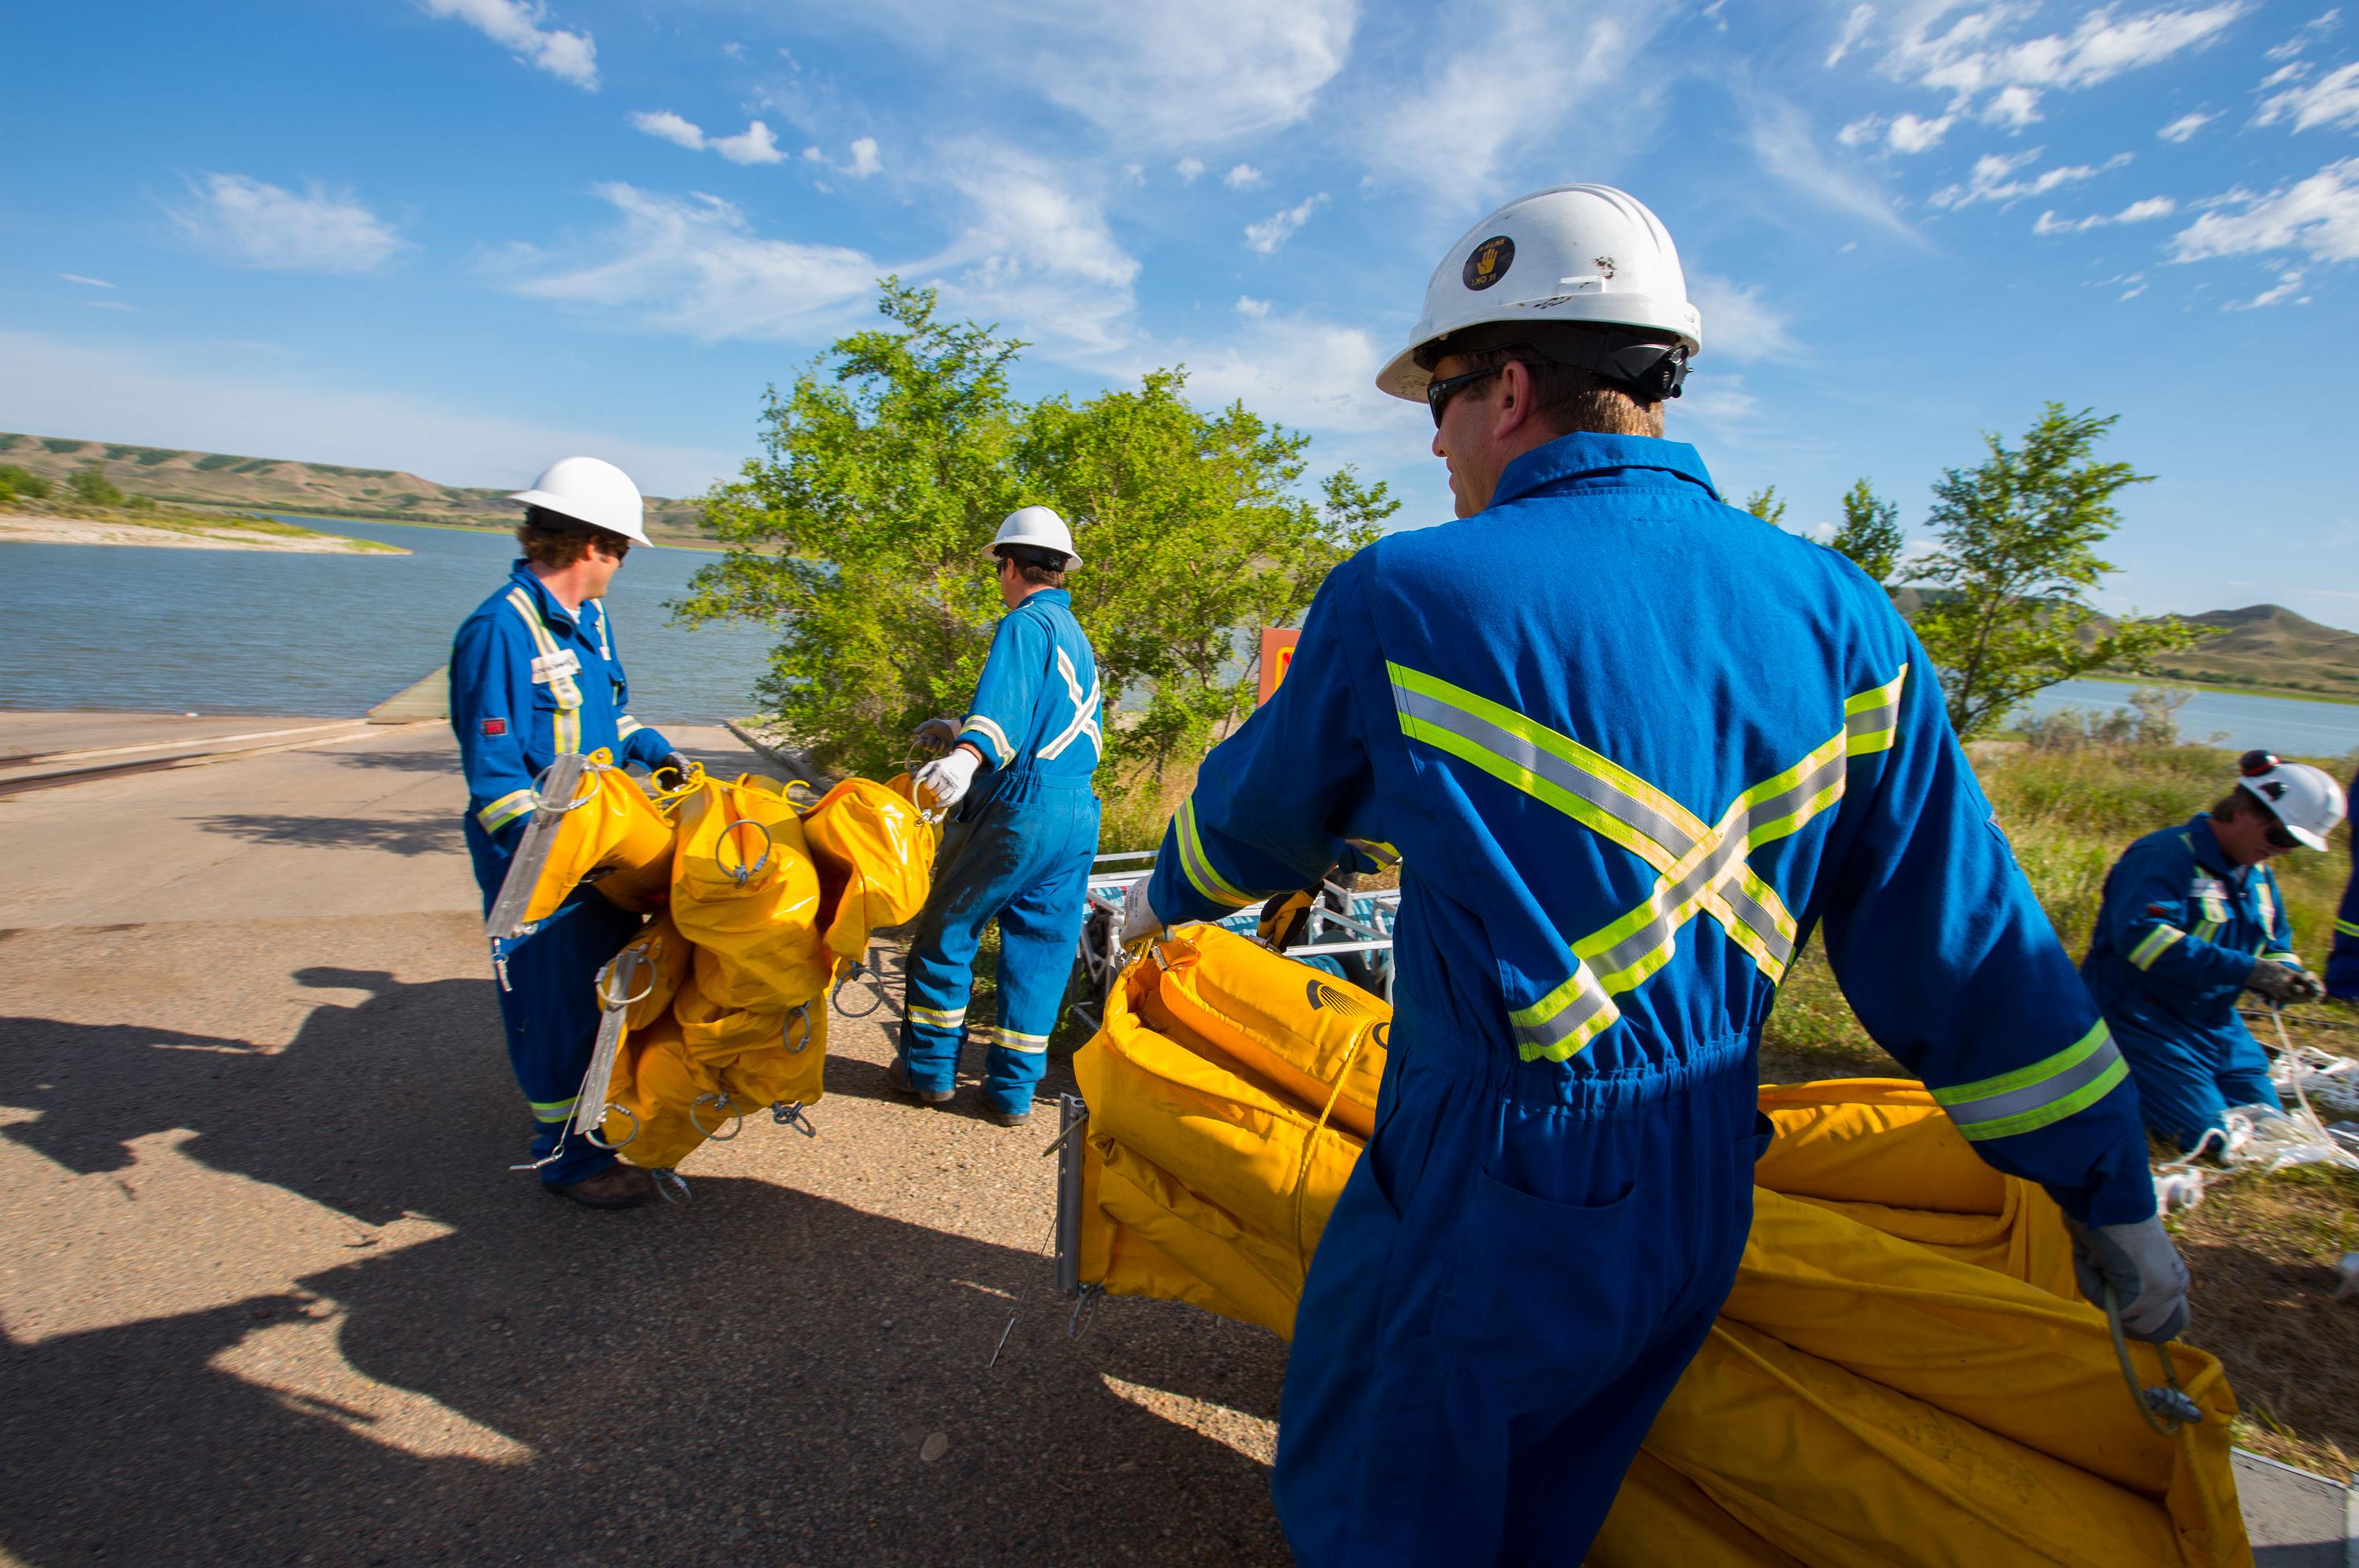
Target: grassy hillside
[(2261, 648), (286, 484)]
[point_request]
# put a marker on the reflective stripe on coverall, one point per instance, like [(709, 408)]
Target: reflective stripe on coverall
[(1017, 849), (1633, 746), (2175, 938), (516, 701), (2342, 959)]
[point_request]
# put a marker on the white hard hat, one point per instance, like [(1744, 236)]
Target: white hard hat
[(1571, 254), (2306, 799), (1040, 527), (590, 490)]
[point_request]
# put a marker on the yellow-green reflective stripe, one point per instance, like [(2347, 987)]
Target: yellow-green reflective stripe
[(1199, 865), (505, 809), (2206, 930), (990, 732), (1871, 719), (2157, 942), (1591, 788), (939, 1017), (2348, 928), (1017, 1040), (2044, 1091), (552, 1110), (1564, 1020), (626, 725), (565, 725), (2292, 958)]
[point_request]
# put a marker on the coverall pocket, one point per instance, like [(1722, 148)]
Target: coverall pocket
[(1542, 1295)]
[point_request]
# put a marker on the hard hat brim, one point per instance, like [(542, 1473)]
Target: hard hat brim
[(564, 508)]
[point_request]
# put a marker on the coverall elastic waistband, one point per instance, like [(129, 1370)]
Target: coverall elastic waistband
[(1015, 789), (1494, 1064)]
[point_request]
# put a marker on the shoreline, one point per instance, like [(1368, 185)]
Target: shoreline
[(36, 527), (2279, 693)]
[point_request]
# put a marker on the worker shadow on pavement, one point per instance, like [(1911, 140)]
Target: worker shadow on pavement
[(287, 1305), (408, 834), (440, 758)]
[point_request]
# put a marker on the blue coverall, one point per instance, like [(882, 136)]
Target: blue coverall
[(1017, 849), (1632, 747), (529, 680), (2343, 960), (2175, 938)]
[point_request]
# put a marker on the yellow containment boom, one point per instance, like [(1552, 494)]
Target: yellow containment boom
[(1903, 1372)]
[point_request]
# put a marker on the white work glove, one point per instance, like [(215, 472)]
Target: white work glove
[(2139, 1262), (936, 736), (2284, 981), (1139, 919), (946, 778)]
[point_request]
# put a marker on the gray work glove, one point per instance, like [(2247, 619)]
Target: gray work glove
[(936, 736), (1139, 919), (2284, 982), (2139, 1262), (672, 771)]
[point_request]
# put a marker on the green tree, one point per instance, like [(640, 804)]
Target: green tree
[(16, 480), (1870, 535), (2019, 534), (92, 487), (864, 533), (1764, 504)]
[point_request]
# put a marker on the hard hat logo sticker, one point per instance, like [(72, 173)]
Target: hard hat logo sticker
[(1489, 261)]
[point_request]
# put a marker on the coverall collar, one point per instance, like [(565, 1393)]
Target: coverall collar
[(551, 611), (2208, 852), (1585, 456), (1047, 597)]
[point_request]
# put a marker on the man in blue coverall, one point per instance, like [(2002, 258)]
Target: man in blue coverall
[(2191, 920), (2343, 960), (533, 673), (1632, 747), (1020, 843)]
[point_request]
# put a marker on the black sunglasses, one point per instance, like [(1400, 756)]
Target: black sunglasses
[(2276, 837), (1438, 394)]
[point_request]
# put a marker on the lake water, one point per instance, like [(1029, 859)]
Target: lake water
[(2284, 724), (222, 631), (253, 632)]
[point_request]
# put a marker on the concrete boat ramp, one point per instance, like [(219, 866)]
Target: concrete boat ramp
[(270, 1294)]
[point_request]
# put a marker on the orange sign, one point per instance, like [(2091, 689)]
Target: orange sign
[(1276, 658)]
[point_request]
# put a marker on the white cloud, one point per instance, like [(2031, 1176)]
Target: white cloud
[(1189, 169), (1853, 27), (1971, 56), (1909, 134), (1176, 76), (1864, 129), (1303, 370), (2144, 211), (1991, 179), (256, 225), (110, 305), (1452, 127), (1036, 251), (1780, 137), (2319, 216), (2288, 284), (864, 161), (516, 25), (1267, 236), (2284, 74), (1249, 306), (2332, 100), (212, 397), (2013, 107), (2186, 125), (670, 127), (755, 143), (1737, 323), (86, 282), (2310, 32), (1243, 177), (693, 265)]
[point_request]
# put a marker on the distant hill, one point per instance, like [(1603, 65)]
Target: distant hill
[(2263, 646), (286, 484)]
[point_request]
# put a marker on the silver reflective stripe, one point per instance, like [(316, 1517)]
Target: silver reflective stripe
[(2071, 1080), (1589, 1011)]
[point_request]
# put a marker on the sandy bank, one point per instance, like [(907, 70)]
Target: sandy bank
[(30, 528)]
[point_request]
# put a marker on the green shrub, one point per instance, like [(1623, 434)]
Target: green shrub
[(214, 460), (24, 481), (92, 487), (56, 444)]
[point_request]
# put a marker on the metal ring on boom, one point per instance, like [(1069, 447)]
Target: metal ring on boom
[(721, 1100), (669, 1184), (875, 993), (744, 873), (786, 1034), (637, 961), (596, 1136), (542, 802)]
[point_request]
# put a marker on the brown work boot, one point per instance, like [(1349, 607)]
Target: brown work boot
[(616, 1187), (898, 1076)]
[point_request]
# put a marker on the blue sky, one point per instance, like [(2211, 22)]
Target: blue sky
[(464, 236)]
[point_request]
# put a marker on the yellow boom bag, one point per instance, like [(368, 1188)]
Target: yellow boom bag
[(875, 856), (615, 837), (744, 891), (1903, 1372)]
